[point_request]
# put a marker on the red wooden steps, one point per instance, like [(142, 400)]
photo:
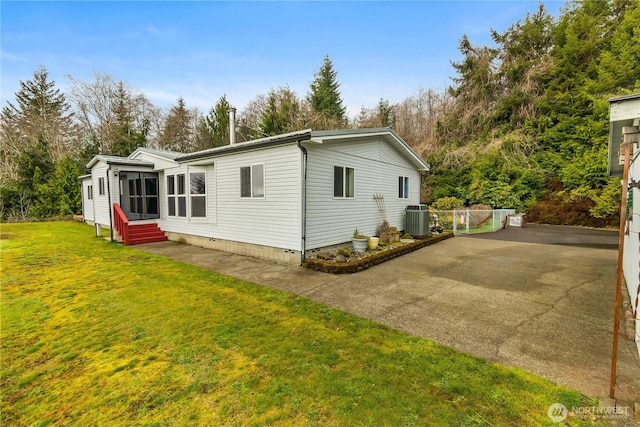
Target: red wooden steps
[(145, 233)]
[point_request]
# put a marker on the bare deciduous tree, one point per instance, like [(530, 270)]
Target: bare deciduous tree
[(100, 106)]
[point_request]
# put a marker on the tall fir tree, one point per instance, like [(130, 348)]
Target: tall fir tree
[(40, 113), (282, 112), (37, 131), (178, 133), (212, 130), (325, 98), (126, 138)]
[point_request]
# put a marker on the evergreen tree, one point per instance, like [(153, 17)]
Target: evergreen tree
[(281, 113), (213, 129), (178, 132), (325, 97), (382, 115), (40, 113), (617, 68), (61, 194), (36, 131), (474, 90), (524, 58), (125, 137)]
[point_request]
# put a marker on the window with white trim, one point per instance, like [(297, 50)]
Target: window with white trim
[(343, 182), (403, 187), (181, 195), (171, 195), (176, 196), (198, 195), (252, 181), (90, 192), (101, 186)]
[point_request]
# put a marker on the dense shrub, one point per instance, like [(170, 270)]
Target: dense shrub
[(447, 204), (558, 209)]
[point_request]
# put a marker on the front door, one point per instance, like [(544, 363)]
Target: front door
[(139, 195)]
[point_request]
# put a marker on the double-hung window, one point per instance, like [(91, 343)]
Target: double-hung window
[(171, 195), (198, 195), (403, 187), (176, 196), (343, 182), (252, 181), (181, 195)]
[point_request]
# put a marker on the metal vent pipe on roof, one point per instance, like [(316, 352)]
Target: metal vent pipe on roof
[(232, 126)]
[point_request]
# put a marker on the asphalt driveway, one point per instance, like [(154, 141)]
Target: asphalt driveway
[(546, 307)]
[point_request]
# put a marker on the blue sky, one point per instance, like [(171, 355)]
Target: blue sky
[(202, 50)]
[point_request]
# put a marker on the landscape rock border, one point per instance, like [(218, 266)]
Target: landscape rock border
[(375, 259)]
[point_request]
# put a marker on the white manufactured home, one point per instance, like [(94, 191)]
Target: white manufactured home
[(280, 198)]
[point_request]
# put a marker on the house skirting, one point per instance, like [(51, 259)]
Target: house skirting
[(289, 256)]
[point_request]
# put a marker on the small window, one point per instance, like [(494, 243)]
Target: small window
[(343, 182), (90, 192), (198, 195), (403, 187), (182, 198), (252, 181), (171, 195), (101, 186)]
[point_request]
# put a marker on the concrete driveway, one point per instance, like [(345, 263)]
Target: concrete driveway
[(546, 307)]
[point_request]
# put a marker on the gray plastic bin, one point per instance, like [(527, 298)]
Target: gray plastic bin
[(417, 220)]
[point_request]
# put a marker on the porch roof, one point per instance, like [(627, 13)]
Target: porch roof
[(116, 160), (167, 154)]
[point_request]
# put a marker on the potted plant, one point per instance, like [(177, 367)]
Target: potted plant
[(373, 243), (359, 242)]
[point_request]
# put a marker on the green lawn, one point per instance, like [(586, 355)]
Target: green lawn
[(95, 333)]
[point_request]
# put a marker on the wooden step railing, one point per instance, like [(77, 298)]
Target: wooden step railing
[(121, 223)]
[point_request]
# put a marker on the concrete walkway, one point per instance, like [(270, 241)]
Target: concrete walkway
[(546, 307)]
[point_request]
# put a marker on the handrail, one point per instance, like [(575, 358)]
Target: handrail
[(121, 223)]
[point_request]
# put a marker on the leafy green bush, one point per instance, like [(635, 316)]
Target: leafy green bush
[(447, 204)]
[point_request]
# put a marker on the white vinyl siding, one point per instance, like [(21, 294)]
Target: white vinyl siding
[(390, 155), (632, 244), (273, 220), (159, 162), (332, 220), (100, 199), (87, 199)]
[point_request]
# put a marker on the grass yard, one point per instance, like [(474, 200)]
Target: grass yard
[(95, 333)]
